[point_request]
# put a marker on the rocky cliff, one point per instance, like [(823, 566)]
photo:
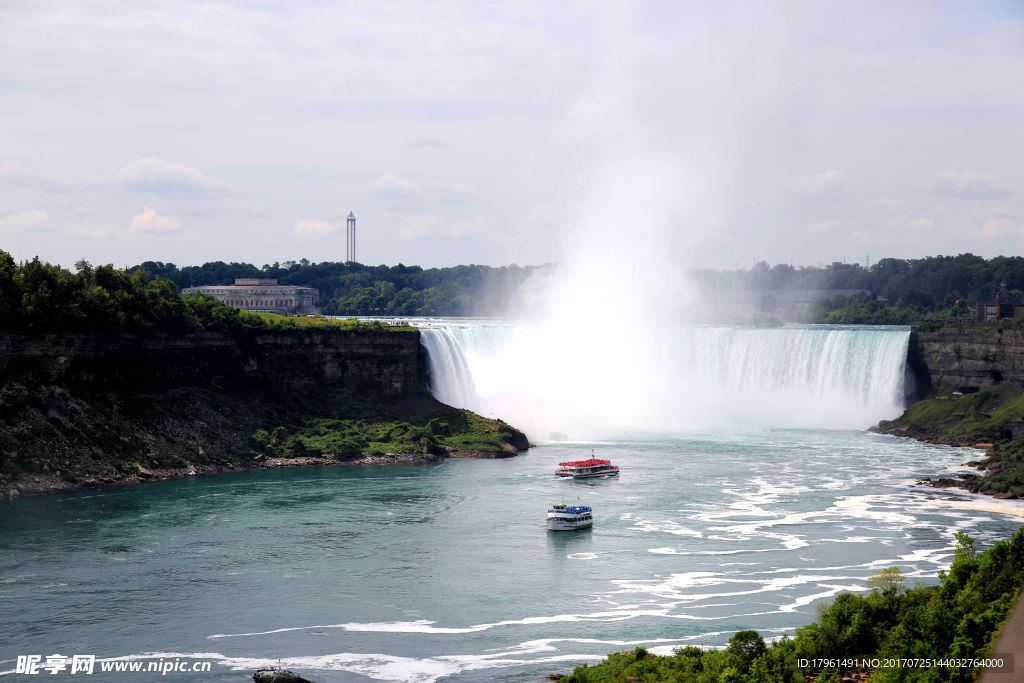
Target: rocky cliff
[(79, 410), (968, 358), (386, 363)]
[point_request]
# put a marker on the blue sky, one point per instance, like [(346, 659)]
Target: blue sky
[(463, 132)]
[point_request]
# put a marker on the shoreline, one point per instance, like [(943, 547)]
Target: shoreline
[(975, 470), (36, 484)]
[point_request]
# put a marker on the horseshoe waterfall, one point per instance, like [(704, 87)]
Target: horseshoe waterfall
[(676, 378)]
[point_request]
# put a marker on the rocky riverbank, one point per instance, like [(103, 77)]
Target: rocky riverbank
[(39, 484), (991, 419)]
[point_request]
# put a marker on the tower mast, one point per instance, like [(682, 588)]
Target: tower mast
[(350, 238)]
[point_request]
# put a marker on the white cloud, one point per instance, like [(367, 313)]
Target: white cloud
[(825, 226), (155, 175), (996, 227), (865, 236), (25, 221), (307, 228), (908, 230), (101, 233), (818, 183), (391, 185), (969, 186), (149, 222), (889, 203), (896, 230), (431, 226), (547, 217)]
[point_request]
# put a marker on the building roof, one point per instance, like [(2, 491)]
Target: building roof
[(1002, 296)]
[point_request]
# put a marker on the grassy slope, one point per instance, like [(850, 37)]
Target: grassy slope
[(346, 425)]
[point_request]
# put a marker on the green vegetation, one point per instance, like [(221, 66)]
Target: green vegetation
[(356, 289), (897, 291), (981, 417), (957, 619), (39, 297), (912, 289), (864, 310), (345, 425)]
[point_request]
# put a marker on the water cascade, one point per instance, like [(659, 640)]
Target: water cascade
[(682, 379)]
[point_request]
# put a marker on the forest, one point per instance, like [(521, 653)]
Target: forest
[(892, 291), (38, 295)]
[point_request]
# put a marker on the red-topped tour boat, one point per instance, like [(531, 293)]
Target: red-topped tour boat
[(587, 469)]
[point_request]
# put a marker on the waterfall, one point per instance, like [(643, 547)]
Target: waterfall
[(604, 382)]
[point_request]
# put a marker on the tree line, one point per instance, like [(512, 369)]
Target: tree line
[(357, 289), (37, 295), (41, 297), (894, 291)]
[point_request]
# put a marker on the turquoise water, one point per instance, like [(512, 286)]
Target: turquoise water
[(446, 572)]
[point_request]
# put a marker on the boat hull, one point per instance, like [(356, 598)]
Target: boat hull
[(575, 523), (589, 475)]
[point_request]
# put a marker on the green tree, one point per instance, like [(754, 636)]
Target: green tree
[(889, 579)]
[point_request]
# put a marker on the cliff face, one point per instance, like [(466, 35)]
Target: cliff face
[(81, 410), (958, 358), (387, 364)]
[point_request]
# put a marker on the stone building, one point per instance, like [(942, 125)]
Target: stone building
[(1002, 305), (262, 295)]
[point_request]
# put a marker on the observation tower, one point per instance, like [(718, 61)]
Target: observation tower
[(350, 238)]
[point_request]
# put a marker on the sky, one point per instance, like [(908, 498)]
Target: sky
[(704, 134)]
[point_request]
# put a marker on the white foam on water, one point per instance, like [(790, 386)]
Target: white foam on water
[(428, 627), (1010, 508), (677, 551), (674, 587), (805, 600), (866, 507), (850, 539), (16, 579), (666, 527)]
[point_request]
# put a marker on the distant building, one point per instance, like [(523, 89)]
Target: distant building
[(261, 295), (1002, 305)]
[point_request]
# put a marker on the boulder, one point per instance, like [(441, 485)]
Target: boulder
[(275, 674)]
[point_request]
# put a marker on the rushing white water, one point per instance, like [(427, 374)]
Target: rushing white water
[(682, 377)]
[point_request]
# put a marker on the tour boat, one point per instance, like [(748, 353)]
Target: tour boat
[(562, 517), (587, 469)]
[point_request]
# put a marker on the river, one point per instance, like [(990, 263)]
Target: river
[(445, 571)]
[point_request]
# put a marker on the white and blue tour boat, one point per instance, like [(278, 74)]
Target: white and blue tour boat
[(562, 517)]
